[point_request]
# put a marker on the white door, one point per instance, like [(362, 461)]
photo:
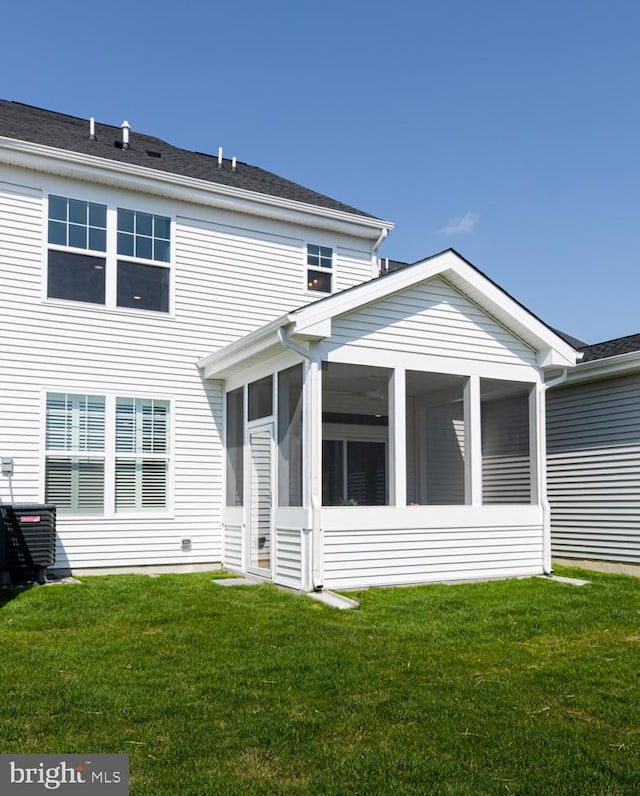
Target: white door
[(260, 526)]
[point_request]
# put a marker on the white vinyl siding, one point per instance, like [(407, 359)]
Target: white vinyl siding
[(432, 319), (593, 469)]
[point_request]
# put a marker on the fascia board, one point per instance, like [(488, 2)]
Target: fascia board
[(237, 352), (553, 351), (620, 365), (188, 189)]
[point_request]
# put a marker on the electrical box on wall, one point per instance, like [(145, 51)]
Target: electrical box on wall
[(6, 466)]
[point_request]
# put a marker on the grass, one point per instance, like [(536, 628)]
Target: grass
[(527, 687)]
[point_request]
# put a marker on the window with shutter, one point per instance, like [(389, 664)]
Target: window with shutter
[(142, 433), (75, 449)]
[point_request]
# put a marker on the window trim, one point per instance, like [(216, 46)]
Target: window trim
[(110, 454), (331, 272), (111, 258)]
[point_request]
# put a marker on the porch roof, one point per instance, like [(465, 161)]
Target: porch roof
[(312, 322)]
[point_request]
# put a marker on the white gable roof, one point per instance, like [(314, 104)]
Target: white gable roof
[(314, 321)]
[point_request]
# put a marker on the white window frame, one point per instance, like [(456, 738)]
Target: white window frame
[(111, 258), (109, 454), (330, 271)]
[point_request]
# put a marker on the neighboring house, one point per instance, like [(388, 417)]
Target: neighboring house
[(161, 388), (593, 443)]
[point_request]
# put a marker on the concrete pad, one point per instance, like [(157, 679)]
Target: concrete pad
[(334, 600), (570, 581), (610, 567), (235, 582)]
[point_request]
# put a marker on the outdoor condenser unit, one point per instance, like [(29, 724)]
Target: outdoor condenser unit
[(27, 541)]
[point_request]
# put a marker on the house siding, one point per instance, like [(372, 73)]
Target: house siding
[(593, 469), (432, 319), (474, 543), (229, 278)]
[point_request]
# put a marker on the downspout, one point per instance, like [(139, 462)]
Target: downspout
[(546, 508), (375, 270), (316, 504)]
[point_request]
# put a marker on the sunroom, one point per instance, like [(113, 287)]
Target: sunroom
[(389, 434)]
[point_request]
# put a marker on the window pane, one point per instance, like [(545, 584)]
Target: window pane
[(319, 280), (75, 422), (77, 277), (235, 449), (97, 239), (506, 462), (435, 439), (290, 436), (75, 485), (77, 212), (141, 484), (125, 221), (58, 208), (97, 215), (77, 236), (58, 233), (366, 473), (333, 490), (144, 224), (144, 248), (161, 251), (144, 287), (125, 244), (162, 227), (261, 398), (326, 252)]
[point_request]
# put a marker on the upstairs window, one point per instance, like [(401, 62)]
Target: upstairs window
[(132, 272), (75, 224), (143, 236), (319, 268)]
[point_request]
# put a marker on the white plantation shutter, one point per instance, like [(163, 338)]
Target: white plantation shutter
[(141, 429), (75, 424)]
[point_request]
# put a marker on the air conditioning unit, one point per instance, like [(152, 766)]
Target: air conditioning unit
[(27, 541)]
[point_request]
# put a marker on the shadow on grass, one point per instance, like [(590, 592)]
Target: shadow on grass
[(8, 593)]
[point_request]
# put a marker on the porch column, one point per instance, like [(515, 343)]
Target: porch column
[(398, 438), (538, 455), (313, 422), (473, 442)]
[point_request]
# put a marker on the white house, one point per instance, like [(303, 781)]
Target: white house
[(594, 454), (201, 364)]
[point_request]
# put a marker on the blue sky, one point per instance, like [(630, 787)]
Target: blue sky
[(509, 130)]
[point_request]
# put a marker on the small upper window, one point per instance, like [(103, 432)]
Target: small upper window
[(319, 268), (144, 235), (82, 225)]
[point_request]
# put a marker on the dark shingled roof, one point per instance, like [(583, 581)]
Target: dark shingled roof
[(39, 126), (611, 348)]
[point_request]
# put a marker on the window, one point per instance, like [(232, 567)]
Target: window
[(290, 434), (235, 448), (142, 432), (261, 398), (84, 462), (75, 224), (75, 453), (319, 268), (83, 267)]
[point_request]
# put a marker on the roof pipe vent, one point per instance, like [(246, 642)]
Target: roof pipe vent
[(92, 130), (125, 135), (234, 163), (219, 157)]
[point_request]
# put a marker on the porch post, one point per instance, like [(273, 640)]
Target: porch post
[(473, 442), (538, 453), (398, 438), (314, 464)]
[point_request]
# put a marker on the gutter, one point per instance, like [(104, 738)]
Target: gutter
[(317, 577)]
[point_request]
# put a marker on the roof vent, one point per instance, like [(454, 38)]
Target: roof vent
[(234, 164), (125, 135), (92, 130), (219, 157), (153, 153)]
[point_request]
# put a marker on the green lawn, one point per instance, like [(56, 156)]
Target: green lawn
[(523, 686)]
